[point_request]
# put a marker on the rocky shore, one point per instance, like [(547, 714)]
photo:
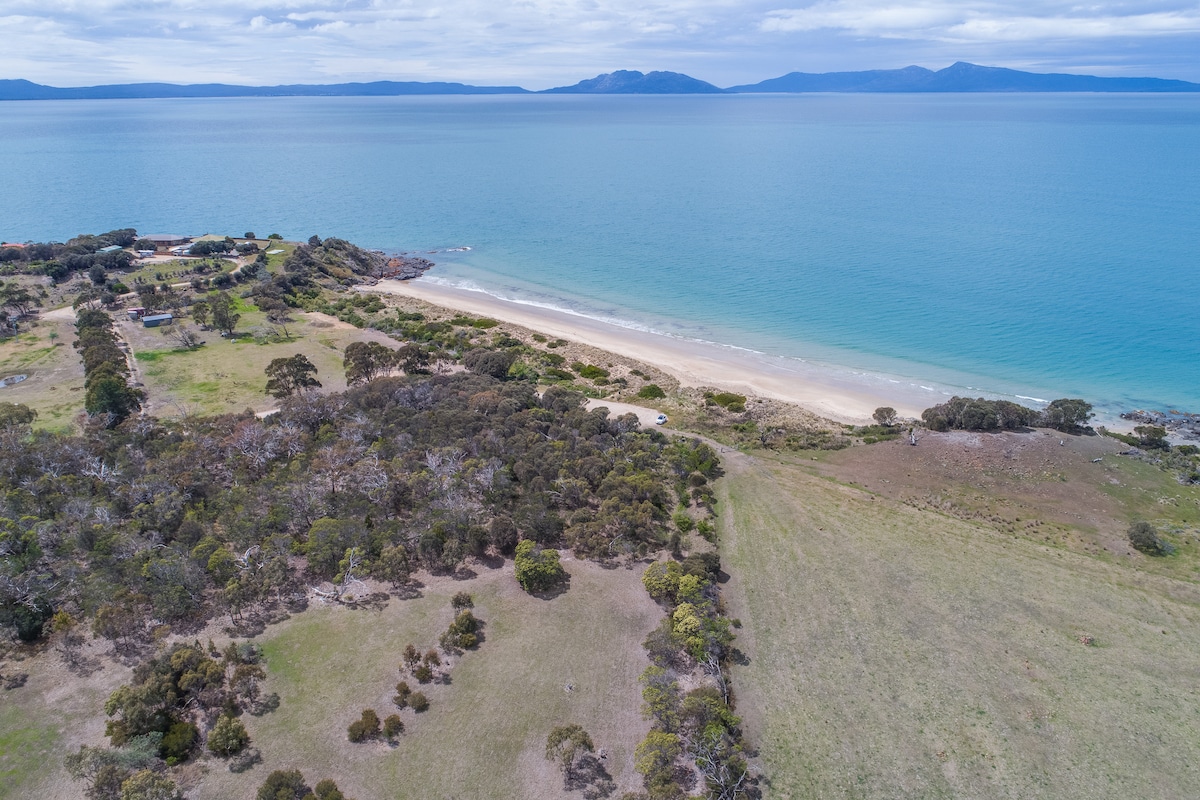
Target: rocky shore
[(1185, 426), (405, 267)]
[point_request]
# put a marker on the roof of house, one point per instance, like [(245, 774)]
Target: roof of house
[(166, 237), (157, 317)]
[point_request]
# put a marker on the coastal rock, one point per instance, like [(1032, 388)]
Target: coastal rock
[(1186, 426), (403, 268)]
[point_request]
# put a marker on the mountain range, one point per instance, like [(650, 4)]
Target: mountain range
[(959, 77)]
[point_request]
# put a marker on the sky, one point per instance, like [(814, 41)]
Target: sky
[(542, 43)]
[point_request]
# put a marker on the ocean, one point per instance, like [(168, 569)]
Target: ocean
[(1020, 246)]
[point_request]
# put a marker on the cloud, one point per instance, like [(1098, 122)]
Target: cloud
[(539, 43), (984, 21)]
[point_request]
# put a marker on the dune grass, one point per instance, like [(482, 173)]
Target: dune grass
[(901, 653)]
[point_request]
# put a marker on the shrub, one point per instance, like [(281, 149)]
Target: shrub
[(178, 741), (228, 737), (885, 415), (537, 569), (419, 702), (651, 391), (661, 579), (393, 726), (461, 635), (590, 371), (403, 692), (963, 413), (365, 728), (462, 600), (283, 785), (1067, 414), (735, 403), (423, 674), (1143, 537)]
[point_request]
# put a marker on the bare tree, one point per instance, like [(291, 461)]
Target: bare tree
[(185, 338)]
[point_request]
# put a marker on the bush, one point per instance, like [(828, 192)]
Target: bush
[(559, 374), (419, 702), (283, 785), (963, 413), (537, 569), (651, 391), (462, 600), (734, 403), (589, 371), (1144, 538), (178, 741), (228, 737), (1067, 414), (461, 635), (661, 580), (393, 726), (492, 363), (423, 674), (365, 728), (403, 692)]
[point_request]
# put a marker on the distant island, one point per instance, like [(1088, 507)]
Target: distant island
[(626, 81), (959, 77)]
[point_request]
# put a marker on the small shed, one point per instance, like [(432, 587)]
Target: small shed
[(155, 320), (136, 313), (114, 248)]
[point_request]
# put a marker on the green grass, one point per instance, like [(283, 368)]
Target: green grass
[(484, 733), (54, 387), (901, 653), (27, 742), (228, 375)]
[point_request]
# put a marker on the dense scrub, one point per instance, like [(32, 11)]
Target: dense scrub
[(61, 260), (166, 523), (964, 413)]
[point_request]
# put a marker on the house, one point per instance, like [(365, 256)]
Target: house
[(165, 241), (155, 320)]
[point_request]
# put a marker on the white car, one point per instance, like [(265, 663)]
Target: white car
[(660, 419)]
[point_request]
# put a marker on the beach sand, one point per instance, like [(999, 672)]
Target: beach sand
[(819, 389)]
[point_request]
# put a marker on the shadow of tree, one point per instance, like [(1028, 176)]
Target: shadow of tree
[(590, 776)]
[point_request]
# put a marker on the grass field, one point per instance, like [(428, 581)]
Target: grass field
[(482, 737), (228, 375), (484, 733), (900, 652), (54, 386), (54, 713)]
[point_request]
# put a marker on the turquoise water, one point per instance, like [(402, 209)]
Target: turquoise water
[(1031, 245)]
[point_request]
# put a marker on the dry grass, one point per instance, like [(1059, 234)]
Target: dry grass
[(50, 716), (43, 352), (482, 737), (228, 375), (484, 733), (900, 652)]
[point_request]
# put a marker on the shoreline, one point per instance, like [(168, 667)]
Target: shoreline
[(817, 388)]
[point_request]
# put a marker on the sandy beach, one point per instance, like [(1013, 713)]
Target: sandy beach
[(841, 396)]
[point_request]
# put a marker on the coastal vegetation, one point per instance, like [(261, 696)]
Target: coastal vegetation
[(964, 413), (433, 495)]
